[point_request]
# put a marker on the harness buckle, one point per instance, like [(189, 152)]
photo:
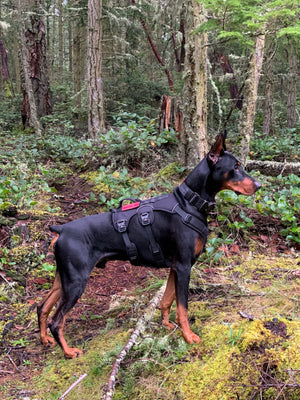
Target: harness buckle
[(187, 218), (194, 199), (122, 226), (145, 218)]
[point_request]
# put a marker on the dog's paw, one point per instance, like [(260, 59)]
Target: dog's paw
[(72, 352), (48, 341), (169, 325), (191, 337)]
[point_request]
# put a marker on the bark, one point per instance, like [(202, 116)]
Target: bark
[(269, 88), (170, 115), (194, 99), (94, 70), (292, 86), (28, 108), (250, 98), (273, 168), (36, 42)]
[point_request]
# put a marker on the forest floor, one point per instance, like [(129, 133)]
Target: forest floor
[(257, 281)]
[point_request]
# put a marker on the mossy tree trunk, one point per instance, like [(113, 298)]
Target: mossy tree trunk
[(94, 70), (36, 94), (268, 127), (292, 85), (28, 108), (194, 98), (79, 57), (250, 98)]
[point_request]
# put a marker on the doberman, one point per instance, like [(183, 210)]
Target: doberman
[(179, 233)]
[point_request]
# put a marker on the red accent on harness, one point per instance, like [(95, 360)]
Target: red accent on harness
[(130, 206)]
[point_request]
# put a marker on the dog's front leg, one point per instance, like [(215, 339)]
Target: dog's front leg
[(167, 301), (182, 279)]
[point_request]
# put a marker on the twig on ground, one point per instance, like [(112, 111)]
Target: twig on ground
[(140, 327), (72, 386)]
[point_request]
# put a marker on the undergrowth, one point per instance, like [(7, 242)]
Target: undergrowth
[(238, 358)]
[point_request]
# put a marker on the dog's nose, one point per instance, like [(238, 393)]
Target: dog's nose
[(258, 185)]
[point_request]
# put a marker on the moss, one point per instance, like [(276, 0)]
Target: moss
[(227, 369), (59, 374), (257, 336), (200, 311), (98, 186), (169, 171)]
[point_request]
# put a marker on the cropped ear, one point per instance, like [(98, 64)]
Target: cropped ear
[(217, 148)]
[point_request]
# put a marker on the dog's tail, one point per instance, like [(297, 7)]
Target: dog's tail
[(56, 228)]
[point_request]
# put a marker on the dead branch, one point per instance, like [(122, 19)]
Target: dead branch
[(274, 168), (72, 386), (140, 327)]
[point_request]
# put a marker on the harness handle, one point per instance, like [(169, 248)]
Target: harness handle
[(134, 203)]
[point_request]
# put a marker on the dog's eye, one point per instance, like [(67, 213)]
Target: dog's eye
[(237, 166)]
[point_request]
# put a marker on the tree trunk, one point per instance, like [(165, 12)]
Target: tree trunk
[(269, 88), (79, 57), (8, 88), (94, 70), (250, 98), (292, 86), (70, 34), (60, 40), (17, 64), (36, 42), (194, 98), (28, 108)]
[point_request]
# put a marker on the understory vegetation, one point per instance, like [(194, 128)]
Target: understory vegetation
[(244, 294)]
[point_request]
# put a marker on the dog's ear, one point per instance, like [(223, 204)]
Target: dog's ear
[(217, 148)]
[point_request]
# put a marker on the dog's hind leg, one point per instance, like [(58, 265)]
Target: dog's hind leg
[(67, 301), (44, 309), (167, 301)]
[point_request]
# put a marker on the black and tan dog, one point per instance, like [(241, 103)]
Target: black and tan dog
[(165, 231)]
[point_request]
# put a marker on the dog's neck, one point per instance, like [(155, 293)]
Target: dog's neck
[(197, 181)]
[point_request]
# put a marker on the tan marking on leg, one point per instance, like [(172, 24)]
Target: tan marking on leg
[(198, 246), (167, 301), (182, 319), (69, 352), (47, 305)]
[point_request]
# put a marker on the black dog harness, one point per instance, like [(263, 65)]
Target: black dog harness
[(196, 219)]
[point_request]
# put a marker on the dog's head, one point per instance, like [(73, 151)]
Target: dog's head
[(227, 171)]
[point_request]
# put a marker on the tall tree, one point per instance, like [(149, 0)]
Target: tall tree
[(29, 109), (94, 69), (250, 95), (33, 43), (291, 84), (269, 86), (195, 87), (60, 38)]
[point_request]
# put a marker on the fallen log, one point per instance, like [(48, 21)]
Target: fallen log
[(273, 168)]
